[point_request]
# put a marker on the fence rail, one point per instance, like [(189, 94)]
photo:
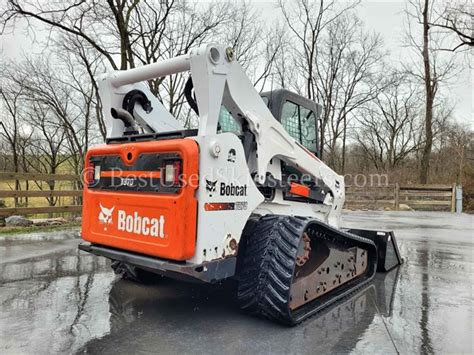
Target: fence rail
[(434, 197), (41, 193), (38, 177), (22, 204), (5, 212)]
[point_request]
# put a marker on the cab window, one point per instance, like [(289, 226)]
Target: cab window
[(308, 128), (290, 119), (300, 123), (227, 123)]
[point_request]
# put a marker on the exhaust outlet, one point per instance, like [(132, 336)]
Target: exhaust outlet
[(131, 126)]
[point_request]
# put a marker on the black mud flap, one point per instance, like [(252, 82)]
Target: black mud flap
[(387, 248)]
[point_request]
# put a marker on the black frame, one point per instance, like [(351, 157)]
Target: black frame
[(145, 162)]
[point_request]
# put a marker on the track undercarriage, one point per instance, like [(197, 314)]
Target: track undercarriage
[(295, 267)]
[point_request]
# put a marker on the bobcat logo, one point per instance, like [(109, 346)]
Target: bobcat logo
[(231, 156), (211, 186), (105, 216)]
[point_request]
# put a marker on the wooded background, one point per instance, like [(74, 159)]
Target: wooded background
[(378, 116)]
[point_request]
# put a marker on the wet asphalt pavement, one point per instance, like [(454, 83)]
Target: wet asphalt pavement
[(54, 299)]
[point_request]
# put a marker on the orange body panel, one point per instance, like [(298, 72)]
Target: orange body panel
[(157, 224)]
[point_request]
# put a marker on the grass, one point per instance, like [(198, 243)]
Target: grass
[(31, 229)]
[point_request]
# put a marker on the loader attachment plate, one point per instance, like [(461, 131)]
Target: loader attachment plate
[(387, 247)]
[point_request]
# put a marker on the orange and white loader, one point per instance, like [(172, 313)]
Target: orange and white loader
[(244, 196)]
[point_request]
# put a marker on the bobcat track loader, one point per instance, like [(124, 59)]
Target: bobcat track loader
[(244, 196)]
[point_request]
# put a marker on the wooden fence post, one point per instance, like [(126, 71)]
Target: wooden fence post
[(453, 198), (397, 197)]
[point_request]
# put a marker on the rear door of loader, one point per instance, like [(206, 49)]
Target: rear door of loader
[(140, 197)]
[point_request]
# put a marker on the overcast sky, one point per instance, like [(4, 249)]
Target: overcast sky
[(382, 16)]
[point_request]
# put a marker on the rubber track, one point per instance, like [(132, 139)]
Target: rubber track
[(269, 261)]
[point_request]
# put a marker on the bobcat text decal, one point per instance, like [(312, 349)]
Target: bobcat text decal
[(224, 189), (153, 227), (133, 222), (233, 190)]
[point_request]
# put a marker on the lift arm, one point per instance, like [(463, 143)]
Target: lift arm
[(220, 80)]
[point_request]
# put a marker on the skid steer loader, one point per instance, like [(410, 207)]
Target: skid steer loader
[(244, 196)]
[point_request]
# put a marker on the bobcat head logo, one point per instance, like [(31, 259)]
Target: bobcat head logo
[(211, 186), (231, 156), (105, 216)]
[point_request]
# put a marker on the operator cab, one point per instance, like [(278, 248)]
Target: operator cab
[(298, 115)]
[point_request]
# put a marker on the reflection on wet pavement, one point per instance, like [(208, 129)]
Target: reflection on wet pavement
[(59, 300), (53, 303)]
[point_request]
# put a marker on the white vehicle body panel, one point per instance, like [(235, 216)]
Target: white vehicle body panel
[(217, 229)]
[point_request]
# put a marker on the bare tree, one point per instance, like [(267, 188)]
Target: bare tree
[(265, 63), (11, 126), (76, 17), (306, 20), (390, 125), (83, 62), (348, 76), (46, 152), (460, 140), (430, 90), (456, 17), (335, 60), (434, 71), (65, 98)]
